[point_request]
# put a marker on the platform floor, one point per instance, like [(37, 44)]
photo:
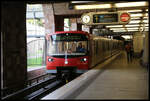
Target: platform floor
[(119, 80), (35, 68)]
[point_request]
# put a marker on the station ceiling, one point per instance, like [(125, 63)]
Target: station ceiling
[(137, 9)]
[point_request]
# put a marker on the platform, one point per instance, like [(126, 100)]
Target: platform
[(120, 80), (35, 68), (116, 80)]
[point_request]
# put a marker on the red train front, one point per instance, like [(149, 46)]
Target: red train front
[(67, 51)]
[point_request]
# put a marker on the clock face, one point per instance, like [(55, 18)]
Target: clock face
[(86, 19)]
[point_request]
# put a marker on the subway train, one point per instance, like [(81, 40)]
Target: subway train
[(78, 51)]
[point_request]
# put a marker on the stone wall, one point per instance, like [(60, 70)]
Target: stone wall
[(13, 30)]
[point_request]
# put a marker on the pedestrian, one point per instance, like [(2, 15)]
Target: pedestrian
[(128, 51)]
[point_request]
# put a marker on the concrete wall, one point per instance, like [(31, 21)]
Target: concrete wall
[(13, 30)]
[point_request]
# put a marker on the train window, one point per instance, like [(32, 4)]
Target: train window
[(73, 46)]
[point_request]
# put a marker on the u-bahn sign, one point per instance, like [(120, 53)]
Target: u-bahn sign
[(96, 18)]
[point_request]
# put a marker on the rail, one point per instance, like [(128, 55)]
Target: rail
[(7, 91), (21, 94)]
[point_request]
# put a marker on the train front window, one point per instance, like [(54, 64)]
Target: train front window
[(68, 44)]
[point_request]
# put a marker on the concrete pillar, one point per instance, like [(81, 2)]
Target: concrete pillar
[(145, 56), (13, 33), (137, 43), (52, 22), (49, 23)]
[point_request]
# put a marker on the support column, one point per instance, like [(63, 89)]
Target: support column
[(52, 22), (59, 23), (13, 33), (145, 57), (49, 18), (73, 23)]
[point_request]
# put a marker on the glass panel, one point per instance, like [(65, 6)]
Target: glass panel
[(70, 45)]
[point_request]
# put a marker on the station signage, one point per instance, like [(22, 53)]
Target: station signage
[(96, 18)]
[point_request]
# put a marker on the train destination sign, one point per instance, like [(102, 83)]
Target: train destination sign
[(69, 37), (95, 18)]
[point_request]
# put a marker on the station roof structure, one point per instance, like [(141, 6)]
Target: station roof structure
[(138, 11)]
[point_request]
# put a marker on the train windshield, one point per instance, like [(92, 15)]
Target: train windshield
[(67, 44)]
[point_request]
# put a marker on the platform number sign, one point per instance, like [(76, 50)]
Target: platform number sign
[(96, 18)]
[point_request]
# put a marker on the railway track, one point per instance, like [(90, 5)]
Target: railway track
[(36, 88), (36, 91)]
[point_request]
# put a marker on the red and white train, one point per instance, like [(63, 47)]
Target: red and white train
[(78, 50)]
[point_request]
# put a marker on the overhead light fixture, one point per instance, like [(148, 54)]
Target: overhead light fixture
[(132, 28), (134, 21), (131, 4), (146, 25), (127, 36), (134, 18), (131, 10), (96, 6), (146, 17), (114, 26), (136, 15), (132, 25), (146, 14), (145, 21), (81, 1), (119, 31)]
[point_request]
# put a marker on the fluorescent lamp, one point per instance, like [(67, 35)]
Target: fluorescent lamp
[(131, 4), (132, 28), (131, 10), (119, 31), (132, 25), (146, 17), (146, 14), (81, 1), (134, 21), (127, 36), (146, 25), (114, 26), (97, 6), (145, 21), (136, 15)]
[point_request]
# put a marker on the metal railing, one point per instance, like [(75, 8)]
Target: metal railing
[(36, 52)]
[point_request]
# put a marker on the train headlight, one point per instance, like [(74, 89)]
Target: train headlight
[(50, 60), (84, 59)]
